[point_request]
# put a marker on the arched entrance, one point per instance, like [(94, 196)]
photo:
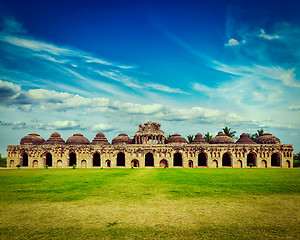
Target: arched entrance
[(239, 164), (83, 163), (108, 163), (59, 164), (35, 164), (72, 159), (177, 160), (163, 163), (190, 164), (149, 161), (11, 163), (25, 160), (226, 160), (202, 160), (121, 159), (96, 160), (135, 163), (49, 159), (214, 164), (251, 159), (288, 163), (264, 164), (275, 160)]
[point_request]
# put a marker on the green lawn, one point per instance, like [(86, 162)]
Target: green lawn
[(150, 203)]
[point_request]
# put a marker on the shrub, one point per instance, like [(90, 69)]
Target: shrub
[(250, 165), (46, 166), (18, 165), (74, 166)]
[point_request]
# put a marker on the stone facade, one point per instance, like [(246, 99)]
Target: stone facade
[(150, 148)]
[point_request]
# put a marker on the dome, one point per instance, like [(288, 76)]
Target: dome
[(100, 139), (55, 139), (244, 139), (221, 138), (32, 139), (267, 138), (77, 139), (122, 139), (176, 138), (199, 139)]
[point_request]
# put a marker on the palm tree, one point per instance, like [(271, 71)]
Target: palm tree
[(190, 138), (256, 135), (227, 131), (207, 137)]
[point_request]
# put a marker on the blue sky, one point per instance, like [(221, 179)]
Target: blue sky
[(193, 66)]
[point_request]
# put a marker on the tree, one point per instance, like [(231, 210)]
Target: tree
[(256, 135), (190, 138), (297, 159), (207, 137), (227, 131)]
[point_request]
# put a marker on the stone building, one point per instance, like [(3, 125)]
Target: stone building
[(150, 148)]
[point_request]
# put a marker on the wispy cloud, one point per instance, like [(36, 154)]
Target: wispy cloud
[(267, 36), (232, 42)]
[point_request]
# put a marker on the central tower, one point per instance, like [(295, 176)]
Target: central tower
[(149, 133)]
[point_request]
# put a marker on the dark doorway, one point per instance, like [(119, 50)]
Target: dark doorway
[(177, 160), (25, 160), (121, 159), (190, 164), (49, 159), (202, 159), (275, 160), (72, 159), (251, 159), (149, 161), (96, 160), (226, 160), (108, 163), (163, 163)]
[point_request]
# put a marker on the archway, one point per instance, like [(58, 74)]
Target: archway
[(202, 160), (96, 160), (72, 159), (149, 161), (226, 160), (264, 164), (288, 163), (251, 159), (135, 163), (35, 164), (107, 163), (25, 160), (83, 163), (121, 159), (190, 164), (239, 164), (275, 160), (163, 163), (59, 164), (49, 159), (214, 164), (177, 160), (11, 163)]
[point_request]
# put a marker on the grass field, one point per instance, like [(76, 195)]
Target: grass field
[(150, 203)]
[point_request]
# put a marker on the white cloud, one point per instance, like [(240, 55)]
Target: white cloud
[(267, 36), (294, 108), (58, 125), (102, 127), (9, 90), (232, 42), (164, 88)]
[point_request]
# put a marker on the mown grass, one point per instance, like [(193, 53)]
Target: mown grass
[(150, 203)]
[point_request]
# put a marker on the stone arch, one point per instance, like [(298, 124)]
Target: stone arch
[(96, 160), (11, 163), (49, 159), (251, 158), (35, 164), (202, 159), (288, 163), (226, 160), (239, 164), (177, 160), (25, 160), (83, 163), (135, 163), (59, 164), (72, 159), (108, 163), (163, 163), (214, 164), (275, 160), (149, 160), (190, 164), (121, 159), (264, 164)]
